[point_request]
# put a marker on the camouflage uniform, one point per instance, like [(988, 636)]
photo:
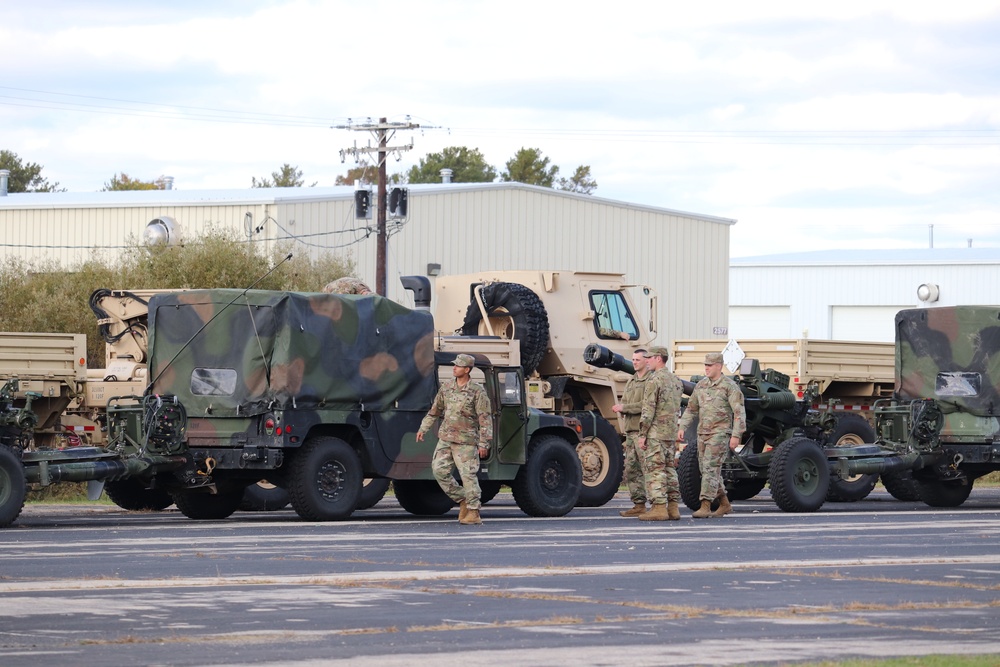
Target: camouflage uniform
[(661, 401), (465, 422), (719, 408), (631, 409), (347, 286)]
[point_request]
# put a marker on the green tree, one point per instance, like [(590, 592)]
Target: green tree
[(368, 175), (580, 181), (25, 176), (287, 177), (529, 166), (467, 166), (123, 181)]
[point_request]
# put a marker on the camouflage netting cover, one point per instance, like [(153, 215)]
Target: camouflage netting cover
[(273, 348), (951, 354)]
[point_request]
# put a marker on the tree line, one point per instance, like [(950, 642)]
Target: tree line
[(467, 165)]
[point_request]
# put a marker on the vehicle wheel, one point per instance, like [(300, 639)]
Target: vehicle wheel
[(937, 493), (850, 430), (602, 459), (799, 475), (515, 313), (422, 497), (202, 505), (324, 479), (689, 477), (264, 497), (901, 485), (372, 491), (489, 488), (131, 494), (549, 482), (13, 487)]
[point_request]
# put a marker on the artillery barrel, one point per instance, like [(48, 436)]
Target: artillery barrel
[(46, 473), (602, 357)]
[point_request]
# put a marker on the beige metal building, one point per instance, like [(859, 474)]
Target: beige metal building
[(450, 228)]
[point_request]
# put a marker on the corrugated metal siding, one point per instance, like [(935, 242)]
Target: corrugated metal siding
[(685, 259)]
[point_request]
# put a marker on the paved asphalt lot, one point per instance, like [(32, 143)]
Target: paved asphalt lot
[(92, 584)]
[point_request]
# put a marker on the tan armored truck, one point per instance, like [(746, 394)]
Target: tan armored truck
[(555, 315)]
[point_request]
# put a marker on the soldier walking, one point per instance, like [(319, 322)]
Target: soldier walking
[(630, 409), (464, 410), (717, 403), (661, 401)]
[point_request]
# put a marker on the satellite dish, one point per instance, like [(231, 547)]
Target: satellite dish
[(162, 231)]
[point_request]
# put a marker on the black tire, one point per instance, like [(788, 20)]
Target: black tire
[(601, 458), (901, 485), (850, 430), (264, 497), (549, 482), (937, 493), (373, 489), (202, 505), (324, 479), (689, 476), (799, 475), (516, 313), (489, 488), (422, 497), (13, 487), (131, 494)]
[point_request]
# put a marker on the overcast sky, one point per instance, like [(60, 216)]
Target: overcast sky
[(814, 125)]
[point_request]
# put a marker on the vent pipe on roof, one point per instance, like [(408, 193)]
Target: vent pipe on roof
[(168, 182), (446, 175), (4, 177)]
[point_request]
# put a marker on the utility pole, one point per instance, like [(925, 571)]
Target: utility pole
[(383, 131)]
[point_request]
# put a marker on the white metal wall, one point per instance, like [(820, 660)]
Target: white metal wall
[(828, 301)]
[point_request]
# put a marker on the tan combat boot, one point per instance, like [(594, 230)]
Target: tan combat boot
[(704, 511), (637, 509), (724, 507), (471, 518), (463, 511), (673, 512), (657, 512)]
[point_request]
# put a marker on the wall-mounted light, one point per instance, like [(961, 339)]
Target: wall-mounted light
[(928, 292), (434, 269)]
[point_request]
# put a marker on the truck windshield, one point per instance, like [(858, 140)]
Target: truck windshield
[(958, 384), (612, 316)]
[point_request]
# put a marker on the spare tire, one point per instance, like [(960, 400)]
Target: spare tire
[(515, 313)]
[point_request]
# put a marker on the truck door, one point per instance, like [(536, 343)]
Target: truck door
[(510, 414)]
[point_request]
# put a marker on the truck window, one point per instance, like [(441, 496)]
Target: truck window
[(958, 384), (612, 316), (213, 381), (510, 388)]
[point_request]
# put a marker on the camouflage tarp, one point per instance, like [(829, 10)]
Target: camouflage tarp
[(279, 349), (951, 354)]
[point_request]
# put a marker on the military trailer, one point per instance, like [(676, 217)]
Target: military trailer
[(313, 392)]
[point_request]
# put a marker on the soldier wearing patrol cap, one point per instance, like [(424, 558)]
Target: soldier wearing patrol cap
[(717, 404), (464, 410), (661, 401), (347, 285)]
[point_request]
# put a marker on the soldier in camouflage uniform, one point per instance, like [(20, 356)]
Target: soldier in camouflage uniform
[(630, 408), (347, 286), (464, 410), (661, 402), (717, 403)]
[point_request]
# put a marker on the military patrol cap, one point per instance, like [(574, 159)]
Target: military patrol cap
[(465, 360), (657, 351), (713, 358)]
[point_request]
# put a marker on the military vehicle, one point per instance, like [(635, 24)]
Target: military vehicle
[(554, 315), (313, 392), (786, 443)]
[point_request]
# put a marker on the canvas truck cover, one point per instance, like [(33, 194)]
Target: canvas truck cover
[(951, 354), (235, 353)]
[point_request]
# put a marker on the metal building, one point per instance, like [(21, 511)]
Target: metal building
[(450, 228), (853, 295)]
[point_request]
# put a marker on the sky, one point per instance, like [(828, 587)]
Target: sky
[(816, 126)]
